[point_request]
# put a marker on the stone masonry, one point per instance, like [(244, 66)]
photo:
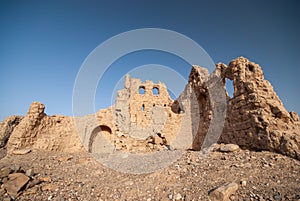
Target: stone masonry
[(39, 131), (6, 128), (255, 117), (142, 118), (145, 119)]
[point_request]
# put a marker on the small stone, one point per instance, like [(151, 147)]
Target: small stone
[(243, 183), (232, 197), (21, 151), (177, 196), (223, 158), (223, 192), (49, 187), (4, 172), (229, 148), (248, 165), (2, 192), (29, 172), (170, 196), (16, 168), (15, 183), (45, 179), (33, 183), (129, 183), (65, 158), (4, 180), (7, 199), (277, 197)]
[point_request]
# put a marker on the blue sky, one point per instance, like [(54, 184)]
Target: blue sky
[(44, 43)]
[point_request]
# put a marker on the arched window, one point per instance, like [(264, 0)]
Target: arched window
[(143, 107), (229, 87), (155, 91), (142, 90)]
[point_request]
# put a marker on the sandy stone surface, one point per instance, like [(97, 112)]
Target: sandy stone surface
[(78, 176)]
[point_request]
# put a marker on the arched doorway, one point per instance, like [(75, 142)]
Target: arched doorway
[(96, 136)]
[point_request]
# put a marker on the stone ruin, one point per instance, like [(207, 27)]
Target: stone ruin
[(145, 119), (142, 118)]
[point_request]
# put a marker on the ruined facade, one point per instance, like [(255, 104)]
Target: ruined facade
[(145, 119), (142, 118), (255, 116)]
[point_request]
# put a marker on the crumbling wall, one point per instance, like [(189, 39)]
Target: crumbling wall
[(197, 80), (142, 118), (255, 116), (39, 131), (6, 128), (208, 110), (143, 109), (147, 121)]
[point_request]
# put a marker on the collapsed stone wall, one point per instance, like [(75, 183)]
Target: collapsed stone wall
[(6, 128), (255, 117), (39, 131)]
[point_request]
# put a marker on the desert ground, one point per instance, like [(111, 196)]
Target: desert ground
[(78, 176)]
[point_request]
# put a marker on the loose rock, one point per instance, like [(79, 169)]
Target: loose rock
[(4, 172), (15, 183), (49, 187), (223, 192), (33, 183), (21, 151), (243, 183), (2, 192), (177, 196), (29, 172), (229, 148), (64, 159)]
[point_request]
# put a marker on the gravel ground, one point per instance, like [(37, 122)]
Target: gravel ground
[(78, 176)]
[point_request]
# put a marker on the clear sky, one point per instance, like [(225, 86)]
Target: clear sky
[(44, 43)]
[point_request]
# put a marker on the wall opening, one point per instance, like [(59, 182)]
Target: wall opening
[(250, 67), (229, 87), (142, 90), (96, 132), (177, 107), (155, 91)]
